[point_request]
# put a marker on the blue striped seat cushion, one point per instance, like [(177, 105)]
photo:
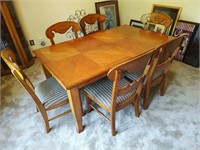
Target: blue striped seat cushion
[(102, 91), (134, 77), (50, 92)]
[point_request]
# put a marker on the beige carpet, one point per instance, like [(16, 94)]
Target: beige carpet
[(171, 122)]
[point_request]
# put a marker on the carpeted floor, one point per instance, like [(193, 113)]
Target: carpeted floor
[(171, 122)]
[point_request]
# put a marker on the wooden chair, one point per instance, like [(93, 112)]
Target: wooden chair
[(159, 69), (115, 92), (62, 27), (157, 22), (47, 95), (89, 20)]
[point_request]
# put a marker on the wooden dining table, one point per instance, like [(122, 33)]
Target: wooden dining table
[(80, 62)]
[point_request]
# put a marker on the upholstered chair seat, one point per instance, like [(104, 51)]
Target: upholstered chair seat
[(102, 91), (50, 92)]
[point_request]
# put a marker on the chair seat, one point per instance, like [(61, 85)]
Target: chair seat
[(102, 91), (134, 77), (50, 92)]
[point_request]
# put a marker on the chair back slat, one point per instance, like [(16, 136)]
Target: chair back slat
[(41, 96), (156, 18), (91, 19), (163, 65), (166, 54), (130, 87), (10, 59), (133, 65), (61, 28), (159, 18)]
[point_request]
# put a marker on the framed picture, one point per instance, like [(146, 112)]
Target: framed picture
[(136, 23), (172, 11), (110, 10), (159, 28), (188, 29), (192, 54)]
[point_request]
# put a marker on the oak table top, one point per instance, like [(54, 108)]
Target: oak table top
[(82, 61)]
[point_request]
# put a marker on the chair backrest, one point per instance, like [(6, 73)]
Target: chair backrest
[(136, 65), (10, 59), (91, 19), (163, 60), (158, 21), (62, 27)]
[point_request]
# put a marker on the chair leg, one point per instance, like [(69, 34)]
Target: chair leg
[(136, 107), (45, 120), (146, 98), (112, 119), (162, 86), (37, 109), (88, 101)]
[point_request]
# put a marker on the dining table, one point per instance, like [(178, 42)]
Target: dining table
[(82, 61)]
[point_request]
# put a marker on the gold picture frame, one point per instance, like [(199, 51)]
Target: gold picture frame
[(172, 11)]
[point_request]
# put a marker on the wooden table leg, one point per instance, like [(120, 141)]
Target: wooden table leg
[(46, 72), (76, 107)]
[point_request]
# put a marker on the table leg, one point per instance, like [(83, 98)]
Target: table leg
[(76, 107), (46, 72)]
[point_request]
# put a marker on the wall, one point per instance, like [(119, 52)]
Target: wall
[(134, 9), (36, 15)]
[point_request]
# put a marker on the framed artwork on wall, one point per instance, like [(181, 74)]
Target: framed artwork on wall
[(111, 11), (189, 30), (136, 23), (172, 11)]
